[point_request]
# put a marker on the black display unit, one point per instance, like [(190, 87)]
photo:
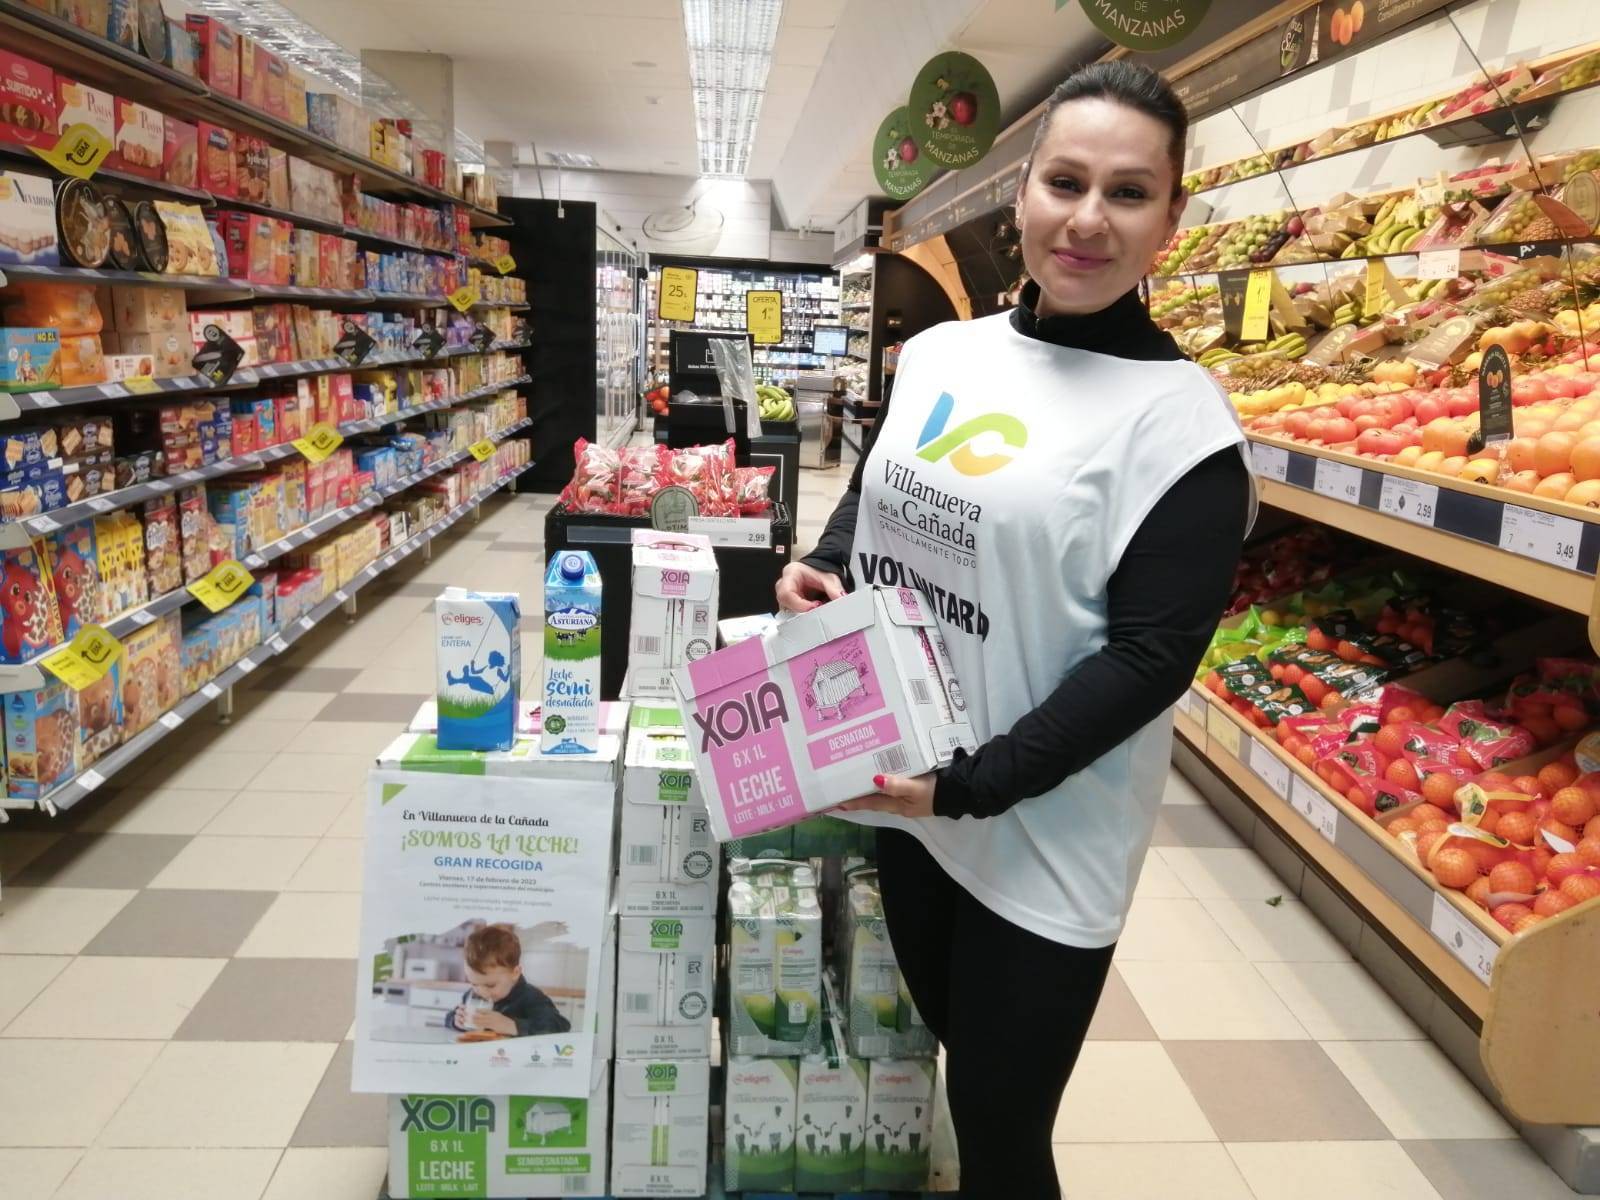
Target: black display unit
[(554, 245), (690, 366)]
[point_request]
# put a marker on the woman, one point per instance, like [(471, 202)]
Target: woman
[(1070, 495)]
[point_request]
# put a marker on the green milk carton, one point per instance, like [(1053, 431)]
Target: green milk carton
[(880, 1019), (774, 959)]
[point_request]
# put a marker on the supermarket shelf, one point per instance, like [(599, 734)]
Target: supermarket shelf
[(406, 298), (16, 152), (13, 405), (500, 304), (92, 275), (70, 793), (1540, 548), (1450, 936), (304, 221), (1520, 251), (856, 306)]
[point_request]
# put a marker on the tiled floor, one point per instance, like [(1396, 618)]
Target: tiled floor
[(176, 958)]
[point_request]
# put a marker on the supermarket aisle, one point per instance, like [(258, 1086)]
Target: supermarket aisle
[(176, 963)]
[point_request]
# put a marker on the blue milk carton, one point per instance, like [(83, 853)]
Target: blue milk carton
[(479, 668), (571, 714)]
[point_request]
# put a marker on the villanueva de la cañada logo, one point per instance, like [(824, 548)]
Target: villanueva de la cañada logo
[(958, 445)]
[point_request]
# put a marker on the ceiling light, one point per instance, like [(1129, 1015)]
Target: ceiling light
[(566, 158), (730, 52)]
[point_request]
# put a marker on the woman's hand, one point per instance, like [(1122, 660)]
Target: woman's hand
[(904, 796), (802, 588)]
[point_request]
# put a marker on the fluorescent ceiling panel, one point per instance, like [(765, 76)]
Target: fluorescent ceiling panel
[(730, 52)]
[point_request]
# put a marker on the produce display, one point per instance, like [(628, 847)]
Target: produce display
[(624, 482)]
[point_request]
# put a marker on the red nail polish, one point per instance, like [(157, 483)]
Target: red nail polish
[(877, 781)]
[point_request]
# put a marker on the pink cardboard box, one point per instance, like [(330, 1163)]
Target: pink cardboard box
[(785, 726)]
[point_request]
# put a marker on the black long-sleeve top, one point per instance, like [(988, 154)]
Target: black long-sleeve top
[(1162, 603)]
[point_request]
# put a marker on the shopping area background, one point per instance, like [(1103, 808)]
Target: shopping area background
[(310, 314)]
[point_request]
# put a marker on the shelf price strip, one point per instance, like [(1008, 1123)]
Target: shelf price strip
[(1471, 946), (1315, 808)]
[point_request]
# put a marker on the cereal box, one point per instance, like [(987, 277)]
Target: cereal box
[(251, 163), (219, 53), (27, 101), (162, 546), (277, 97), (141, 139), (41, 729), (194, 532), (791, 724), (27, 220), (75, 577), (100, 716), (30, 618), (252, 72)]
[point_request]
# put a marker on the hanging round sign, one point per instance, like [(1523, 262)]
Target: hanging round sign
[(1146, 24), (955, 110), (897, 161)]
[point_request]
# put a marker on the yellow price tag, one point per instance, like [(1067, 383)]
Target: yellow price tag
[(84, 661), (482, 451), (464, 298), (222, 586), (505, 264), (79, 151), (1257, 305), (320, 441), (142, 385), (763, 317), (1221, 729), (678, 284)]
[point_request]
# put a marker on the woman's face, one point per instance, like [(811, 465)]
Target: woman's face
[(1096, 204)]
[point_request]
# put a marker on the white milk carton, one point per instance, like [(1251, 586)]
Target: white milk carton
[(790, 724), (667, 862), (774, 959), (665, 970), (499, 1146), (880, 1019), (571, 697), (674, 608), (660, 1118), (758, 1115), (830, 1117), (899, 1123), (479, 665)]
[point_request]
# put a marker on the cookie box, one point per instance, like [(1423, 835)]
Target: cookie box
[(79, 104), (27, 101), (27, 220), (141, 140), (41, 728), (30, 359), (219, 53)]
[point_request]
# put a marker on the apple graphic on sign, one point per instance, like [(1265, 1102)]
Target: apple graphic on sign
[(963, 108), (908, 150)]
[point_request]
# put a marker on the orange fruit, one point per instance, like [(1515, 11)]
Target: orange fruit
[(1555, 487), (1495, 781), (1331, 703), (1551, 904), (1390, 741), (1528, 785), (1519, 453), (1522, 481), (1544, 729), (1579, 888), (1428, 838), (1402, 825), (1527, 922), (1570, 717), (1454, 867), (1572, 806), (1424, 813), (1538, 859), (1592, 829), (1558, 828), (1512, 877), (1589, 851), (1585, 494), (1490, 821), (1509, 914), (1586, 459), (1486, 856), (1306, 754), (1479, 890), (1440, 789), (1561, 866), (1402, 774), (1552, 454), (1557, 775)]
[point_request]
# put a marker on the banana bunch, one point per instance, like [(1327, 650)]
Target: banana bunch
[(1393, 237), (1347, 313), (1290, 345), (774, 402), (1424, 288), (1216, 357)]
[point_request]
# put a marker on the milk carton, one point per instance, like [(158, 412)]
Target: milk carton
[(479, 666), (499, 1146), (674, 608), (830, 1117), (880, 1019), (774, 959), (758, 1116), (787, 725), (899, 1123), (667, 862), (660, 1117), (664, 982), (571, 705)]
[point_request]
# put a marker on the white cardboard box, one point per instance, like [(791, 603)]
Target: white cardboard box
[(605, 1013), (791, 724), (667, 863), (499, 1146), (665, 972), (674, 617), (660, 1118)]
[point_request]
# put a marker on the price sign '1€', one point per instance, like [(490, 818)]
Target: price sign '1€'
[(84, 661), (763, 317), (225, 583), (676, 302)]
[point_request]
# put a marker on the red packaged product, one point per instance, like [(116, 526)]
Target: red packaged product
[(707, 472), (141, 140), (1424, 743), (277, 86), (1490, 743), (345, 407), (252, 72), (180, 152), (27, 101), (594, 485), (245, 434), (750, 489), (194, 530), (216, 159), (1395, 696), (251, 169), (162, 546), (291, 424), (639, 479), (219, 53)]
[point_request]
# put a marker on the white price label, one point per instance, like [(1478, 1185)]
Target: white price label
[(185, 381), (1271, 462), (170, 720), (43, 525), (1270, 769), (1338, 481), (341, 596), (90, 780), (307, 624), (111, 391), (44, 400), (210, 691), (734, 531), (1541, 535), (1475, 948), (100, 504), (141, 618), (279, 646), (246, 665), (159, 485), (1439, 264), (1409, 499), (1316, 808)]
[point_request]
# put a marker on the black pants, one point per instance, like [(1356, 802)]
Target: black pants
[(1010, 1007)]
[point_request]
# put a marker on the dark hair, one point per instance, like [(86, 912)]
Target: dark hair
[(1123, 82)]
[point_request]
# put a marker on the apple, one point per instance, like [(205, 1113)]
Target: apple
[(908, 149), (1527, 390), (1430, 408), (963, 108), (1461, 402)]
